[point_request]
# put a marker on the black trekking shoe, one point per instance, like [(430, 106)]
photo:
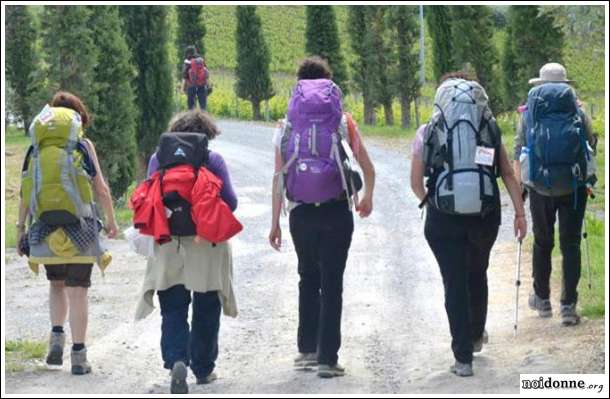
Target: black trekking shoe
[(178, 384), (208, 379)]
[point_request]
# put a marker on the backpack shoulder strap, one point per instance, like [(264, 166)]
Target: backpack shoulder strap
[(88, 164), (26, 160)]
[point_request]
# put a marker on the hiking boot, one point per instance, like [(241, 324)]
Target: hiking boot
[(543, 306), (326, 371), (462, 369), (57, 341), (207, 379), (80, 365), (477, 345), (569, 317), (306, 361), (178, 374)]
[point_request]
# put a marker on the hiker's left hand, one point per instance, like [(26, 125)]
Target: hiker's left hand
[(275, 237), (365, 206), (520, 227)]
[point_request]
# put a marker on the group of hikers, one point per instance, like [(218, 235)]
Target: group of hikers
[(186, 204)]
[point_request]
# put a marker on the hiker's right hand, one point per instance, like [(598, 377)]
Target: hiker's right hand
[(112, 230), (20, 235), (275, 238), (520, 227)]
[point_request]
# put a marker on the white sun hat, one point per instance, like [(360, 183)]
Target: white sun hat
[(551, 72)]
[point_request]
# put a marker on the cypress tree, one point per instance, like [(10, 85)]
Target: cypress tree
[(536, 40), (191, 30), (113, 130), (510, 82), (438, 19), (70, 52), (253, 58), (322, 39), (363, 64), (476, 47), (384, 60), (20, 60), (147, 37), (404, 27)]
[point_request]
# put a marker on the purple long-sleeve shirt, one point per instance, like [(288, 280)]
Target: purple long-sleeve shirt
[(216, 164)]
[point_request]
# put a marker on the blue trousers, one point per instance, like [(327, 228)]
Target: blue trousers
[(197, 346)]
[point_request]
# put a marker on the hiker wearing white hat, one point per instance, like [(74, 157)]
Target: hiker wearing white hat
[(554, 160), (551, 72)]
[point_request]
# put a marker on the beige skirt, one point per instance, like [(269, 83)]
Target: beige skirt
[(199, 266)]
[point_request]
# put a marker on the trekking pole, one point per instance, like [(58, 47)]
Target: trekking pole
[(517, 285), (585, 235)]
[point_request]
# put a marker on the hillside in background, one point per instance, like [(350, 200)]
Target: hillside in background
[(284, 29)]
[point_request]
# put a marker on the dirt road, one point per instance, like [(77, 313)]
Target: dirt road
[(395, 332)]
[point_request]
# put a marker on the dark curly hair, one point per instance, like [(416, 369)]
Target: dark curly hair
[(194, 121), (458, 75), (314, 68)]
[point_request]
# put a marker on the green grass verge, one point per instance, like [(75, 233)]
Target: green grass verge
[(592, 302), (20, 353), (16, 144), (386, 131)]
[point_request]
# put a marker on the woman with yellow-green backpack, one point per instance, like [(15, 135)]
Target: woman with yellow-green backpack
[(61, 178)]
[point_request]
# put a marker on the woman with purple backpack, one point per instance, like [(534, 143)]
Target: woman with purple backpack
[(312, 170)]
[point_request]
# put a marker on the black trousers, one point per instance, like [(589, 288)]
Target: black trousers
[(322, 236), (199, 93), (544, 210), (462, 246)]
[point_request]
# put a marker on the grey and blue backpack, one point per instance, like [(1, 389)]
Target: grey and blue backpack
[(555, 153), (461, 125)]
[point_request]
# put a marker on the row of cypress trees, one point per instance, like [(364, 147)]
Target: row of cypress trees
[(384, 41), (116, 58), (463, 36), (81, 50)]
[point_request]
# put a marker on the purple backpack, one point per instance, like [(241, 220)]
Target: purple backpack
[(310, 146)]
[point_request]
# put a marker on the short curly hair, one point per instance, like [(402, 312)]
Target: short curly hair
[(314, 68), (458, 75), (194, 121)]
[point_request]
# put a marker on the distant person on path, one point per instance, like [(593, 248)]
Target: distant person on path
[(311, 157), (195, 76), (553, 123), (185, 267), (460, 152), (63, 233)]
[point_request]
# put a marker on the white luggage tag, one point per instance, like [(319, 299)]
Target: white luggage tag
[(484, 156)]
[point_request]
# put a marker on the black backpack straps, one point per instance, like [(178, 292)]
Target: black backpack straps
[(161, 175), (88, 164), (26, 160), (450, 158)]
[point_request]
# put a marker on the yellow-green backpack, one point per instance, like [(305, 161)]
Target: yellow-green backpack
[(55, 182)]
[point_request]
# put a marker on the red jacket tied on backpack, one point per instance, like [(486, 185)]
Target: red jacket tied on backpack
[(212, 216)]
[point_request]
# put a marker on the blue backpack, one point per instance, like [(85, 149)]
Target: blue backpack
[(554, 159)]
